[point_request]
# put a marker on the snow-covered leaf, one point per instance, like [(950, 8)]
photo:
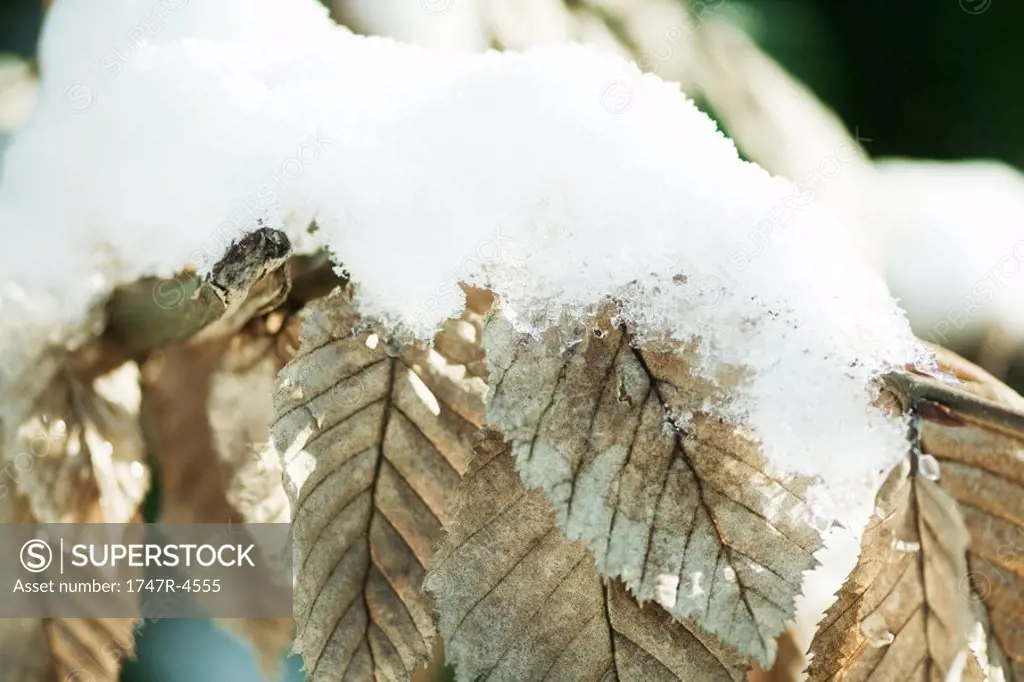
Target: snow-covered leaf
[(251, 276), (518, 601), (675, 502), (373, 439)]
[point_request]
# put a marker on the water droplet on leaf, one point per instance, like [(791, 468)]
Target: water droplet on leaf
[(928, 466)]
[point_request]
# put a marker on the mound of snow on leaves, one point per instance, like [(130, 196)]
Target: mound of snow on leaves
[(557, 177)]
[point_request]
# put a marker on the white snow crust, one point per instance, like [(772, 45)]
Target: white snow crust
[(559, 176)]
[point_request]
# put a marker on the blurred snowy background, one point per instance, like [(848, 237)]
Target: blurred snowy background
[(929, 88)]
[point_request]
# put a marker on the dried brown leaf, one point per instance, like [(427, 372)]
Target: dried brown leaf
[(250, 280), (961, 510), (75, 445), (91, 649), (776, 120), (175, 389), (978, 451), (899, 616), (208, 407), (518, 601), (24, 650), (373, 440), (82, 460), (79, 455), (239, 409), (685, 515)]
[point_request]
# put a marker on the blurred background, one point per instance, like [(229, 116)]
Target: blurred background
[(929, 79)]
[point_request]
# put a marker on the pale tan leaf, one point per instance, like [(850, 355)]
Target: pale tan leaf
[(657, 34), (373, 440), (685, 516), (207, 410), (977, 447), (975, 380), (80, 459), (239, 409), (774, 119), (74, 447), (24, 650), (208, 404), (91, 649), (198, 461), (175, 389), (899, 616), (79, 455), (518, 601)]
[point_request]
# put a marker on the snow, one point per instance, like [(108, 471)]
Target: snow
[(820, 585), (952, 235), (557, 176)]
